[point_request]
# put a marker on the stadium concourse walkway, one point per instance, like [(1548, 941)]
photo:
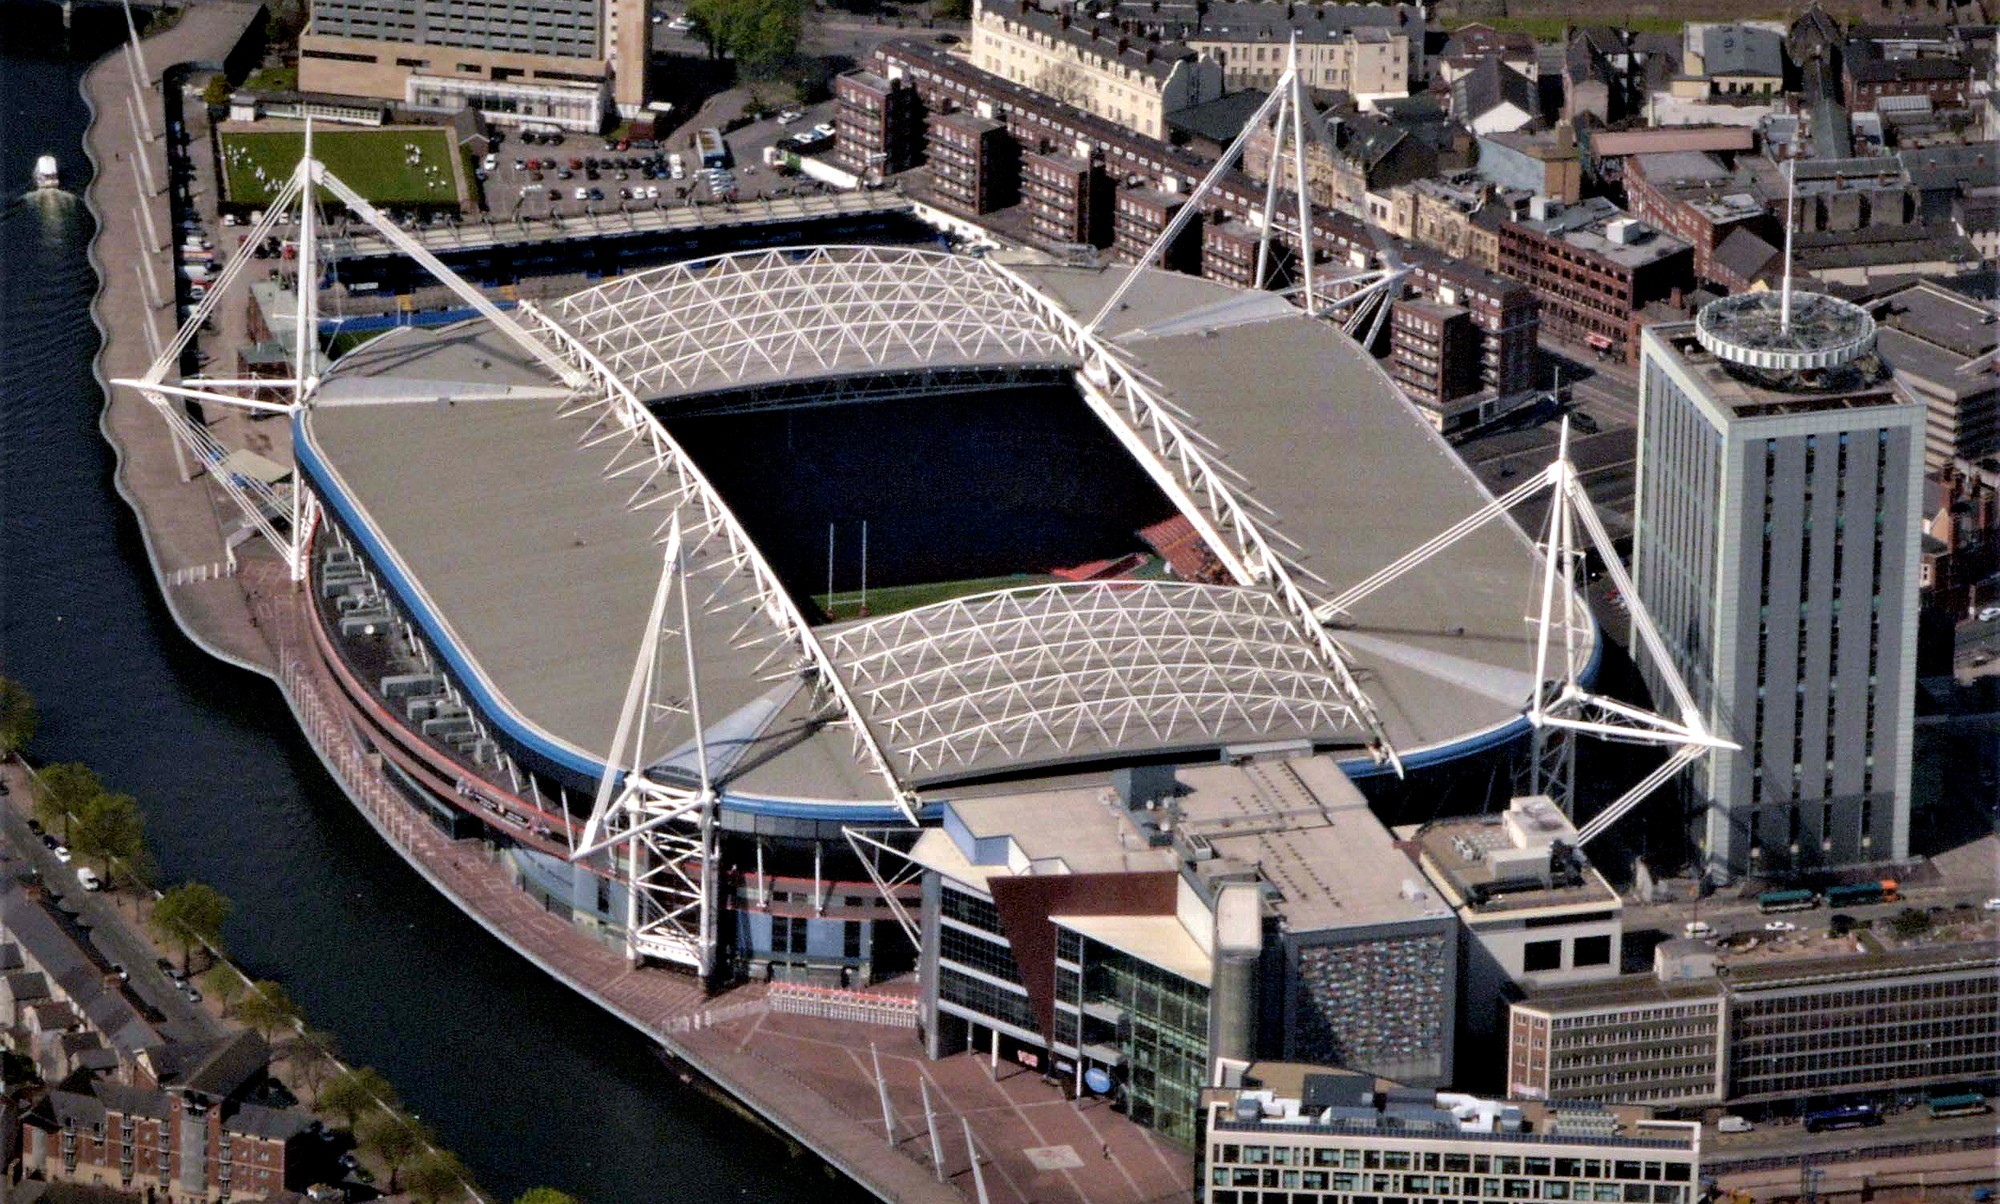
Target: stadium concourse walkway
[(814, 1078)]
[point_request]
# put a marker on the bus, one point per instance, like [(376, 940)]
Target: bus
[(1860, 894), (1971, 1103), (709, 147), (1787, 900), (1846, 1116)]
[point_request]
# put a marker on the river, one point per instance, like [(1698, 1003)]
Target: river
[(523, 1079)]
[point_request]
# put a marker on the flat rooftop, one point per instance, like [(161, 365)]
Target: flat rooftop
[(1585, 226), (1470, 855), (1297, 823)]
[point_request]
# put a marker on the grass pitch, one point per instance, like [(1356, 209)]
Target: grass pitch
[(375, 163)]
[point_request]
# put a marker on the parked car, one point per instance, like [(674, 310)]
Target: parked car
[(1989, 613), (62, 853), (88, 878), (1781, 926), (788, 116), (1733, 1124), (1695, 929)]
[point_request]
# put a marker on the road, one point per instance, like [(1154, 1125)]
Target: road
[(111, 931), (1603, 440)]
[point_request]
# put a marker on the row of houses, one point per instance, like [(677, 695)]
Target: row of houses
[(128, 1099)]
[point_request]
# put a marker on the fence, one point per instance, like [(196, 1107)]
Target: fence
[(832, 1003)]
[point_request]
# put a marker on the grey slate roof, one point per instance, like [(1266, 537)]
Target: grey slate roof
[(1742, 50), (1488, 86), (1744, 254)]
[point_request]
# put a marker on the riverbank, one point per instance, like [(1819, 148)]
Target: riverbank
[(810, 1078), (119, 921)]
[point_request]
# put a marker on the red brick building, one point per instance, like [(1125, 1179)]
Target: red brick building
[(1697, 199), (1068, 198), (1434, 352), (198, 1137), (1870, 77), (974, 164), (878, 125), (1595, 268)]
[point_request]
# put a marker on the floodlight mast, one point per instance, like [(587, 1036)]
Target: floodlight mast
[(1561, 707), (261, 504)]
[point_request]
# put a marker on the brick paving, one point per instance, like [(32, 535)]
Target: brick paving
[(811, 1077)]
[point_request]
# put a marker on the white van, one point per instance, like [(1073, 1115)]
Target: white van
[(89, 878), (1733, 1124)]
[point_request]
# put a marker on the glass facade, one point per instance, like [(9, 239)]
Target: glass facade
[(1163, 1033)]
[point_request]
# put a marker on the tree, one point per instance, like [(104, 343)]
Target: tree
[(313, 1058), (1065, 83), (1910, 923), (18, 718), (354, 1092), (758, 34), (951, 10), (546, 1195), (268, 1009), (226, 983), (110, 828), (396, 1139), (436, 1177), (67, 791), (216, 94), (191, 914)]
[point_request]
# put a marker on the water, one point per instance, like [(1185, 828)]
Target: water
[(526, 1081)]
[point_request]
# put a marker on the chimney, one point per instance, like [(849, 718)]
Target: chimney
[(1149, 52), (1124, 43)]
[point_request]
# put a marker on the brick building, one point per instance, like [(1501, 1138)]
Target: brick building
[(1505, 312), (1595, 269), (1699, 200), (1434, 352), (193, 1133), (974, 164), (1141, 214), (1068, 198), (1871, 75), (879, 125), (1229, 252)]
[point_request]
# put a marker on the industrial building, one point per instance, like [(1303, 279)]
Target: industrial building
[(1779, 490)]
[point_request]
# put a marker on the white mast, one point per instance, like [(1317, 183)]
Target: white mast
[(1791, 219)]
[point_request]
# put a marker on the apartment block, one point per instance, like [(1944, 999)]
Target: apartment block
[(569, 63), (878, 124), (1068, 198), (974, 165)]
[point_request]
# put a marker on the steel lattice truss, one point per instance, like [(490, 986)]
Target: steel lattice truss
[(1045, 673), (768, 316)]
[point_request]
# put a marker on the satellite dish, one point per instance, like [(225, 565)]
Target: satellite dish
[(1098, 1080)]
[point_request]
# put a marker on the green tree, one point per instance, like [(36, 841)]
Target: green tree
[(68, 790), (395, 1139), (18, 718), (436, 1177), (109, 828), (759, 34), (226, 984), (216, 94), (546, 1195), (268, 1009), (1910, 923), (354, 1092), (191, 914)]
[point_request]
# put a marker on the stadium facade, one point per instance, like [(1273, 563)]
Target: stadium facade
[(556, 635)]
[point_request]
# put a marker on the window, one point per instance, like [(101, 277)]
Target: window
[(1592, 951), (1542, 955)]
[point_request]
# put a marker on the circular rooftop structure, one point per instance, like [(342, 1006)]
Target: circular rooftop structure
[(1755, 331)]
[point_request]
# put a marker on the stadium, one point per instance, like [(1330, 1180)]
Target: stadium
[(573, 571)]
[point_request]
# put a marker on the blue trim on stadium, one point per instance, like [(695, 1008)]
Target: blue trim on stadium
[(380, 559)]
